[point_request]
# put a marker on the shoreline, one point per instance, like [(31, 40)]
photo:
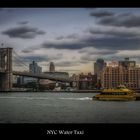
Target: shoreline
[(75, 91)]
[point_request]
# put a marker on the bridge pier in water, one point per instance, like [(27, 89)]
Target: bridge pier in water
[(5, 69)]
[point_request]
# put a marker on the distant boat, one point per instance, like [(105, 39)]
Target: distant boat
[(121, 93)]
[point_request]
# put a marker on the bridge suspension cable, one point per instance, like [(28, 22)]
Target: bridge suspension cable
[(19, 60)]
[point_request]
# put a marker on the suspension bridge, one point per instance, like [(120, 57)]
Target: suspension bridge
[(6, 70)]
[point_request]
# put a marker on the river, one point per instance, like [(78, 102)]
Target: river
[(42, 107)]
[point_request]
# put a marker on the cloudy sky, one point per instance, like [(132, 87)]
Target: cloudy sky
[(72, 38)]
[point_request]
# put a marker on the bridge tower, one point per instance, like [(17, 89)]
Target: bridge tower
[(5, 69)]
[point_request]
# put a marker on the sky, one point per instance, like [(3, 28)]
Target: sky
[(72, 38)]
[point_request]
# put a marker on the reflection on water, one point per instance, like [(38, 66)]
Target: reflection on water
[(65, 108)]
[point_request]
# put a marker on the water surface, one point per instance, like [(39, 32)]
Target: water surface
[(42, 107)]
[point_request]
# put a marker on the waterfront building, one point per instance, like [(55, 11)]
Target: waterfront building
[(52, 67), (75, 79), (34, 68), (87, 82), (21, 80), (46, 84), (98, 68), (114, 76)]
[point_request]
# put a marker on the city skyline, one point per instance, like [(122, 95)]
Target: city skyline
[(72, 38)]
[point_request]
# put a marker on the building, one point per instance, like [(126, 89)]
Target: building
[(114, 76), (75, 79), (46, 84), (87, 82), (127, 63), (52, 67), (98, 68), (133, 77), (34, 68), (21, 80)]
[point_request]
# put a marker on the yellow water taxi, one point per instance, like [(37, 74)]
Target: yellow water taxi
[(121, 93)]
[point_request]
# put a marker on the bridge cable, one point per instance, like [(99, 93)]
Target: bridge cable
[(19, 61)]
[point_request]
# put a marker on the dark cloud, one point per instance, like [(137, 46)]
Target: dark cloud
[(99, 14), (103, 52), (64, 45), (23, 32), (102, 37), (86, 57), (90, 55), (115, 32), (115, 43), (97, 51), (108, 18), (114, 38), (27, 51), (71, 36), (60, 37), (40, 58), (23, 22), (34, 58), (124, 19)]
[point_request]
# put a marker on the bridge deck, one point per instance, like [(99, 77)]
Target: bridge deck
[(43, 76)]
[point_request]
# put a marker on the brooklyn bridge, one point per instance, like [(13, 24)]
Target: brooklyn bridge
[(7, 72)]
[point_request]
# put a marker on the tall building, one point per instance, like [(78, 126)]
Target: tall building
[(114, 76), (127, 63), (34, 68), (52, 67), (98, 67)]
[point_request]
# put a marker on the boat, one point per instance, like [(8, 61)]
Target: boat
[(121, 93)]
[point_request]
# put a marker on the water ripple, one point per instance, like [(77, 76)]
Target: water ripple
[(84, 98)]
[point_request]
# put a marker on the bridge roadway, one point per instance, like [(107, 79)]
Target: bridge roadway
[(43, 76)]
